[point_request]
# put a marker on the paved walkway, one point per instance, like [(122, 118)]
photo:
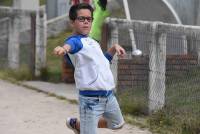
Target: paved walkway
[(25, 111)]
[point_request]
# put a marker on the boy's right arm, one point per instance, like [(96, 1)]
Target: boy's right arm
[(60, 51)]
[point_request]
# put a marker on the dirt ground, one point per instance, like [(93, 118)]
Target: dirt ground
[(25, 111)]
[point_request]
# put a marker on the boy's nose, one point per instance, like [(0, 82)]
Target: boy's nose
[(86, 21)]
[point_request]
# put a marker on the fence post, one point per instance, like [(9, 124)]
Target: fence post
[(113, 40), (185, 45), (157, 65), (198, 54), (32, 52), (37, 44), (13, 42), (43, 38), (40, 42)]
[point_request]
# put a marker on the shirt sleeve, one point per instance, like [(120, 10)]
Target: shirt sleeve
[(68, 60), (108, 56), (75, 44)]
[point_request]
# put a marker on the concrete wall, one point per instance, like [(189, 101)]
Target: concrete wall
[(169, 11), (57, 8), (26, 4), (4, 37), (187, 10), (151, 10), (57, 25)]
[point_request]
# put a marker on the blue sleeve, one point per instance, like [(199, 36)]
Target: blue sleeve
[(68, 60), (108, 56), (75, 44)]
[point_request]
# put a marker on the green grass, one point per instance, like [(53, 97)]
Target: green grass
[(42, 2), (167, 122), (23, 73), (133, 101), (183, 92), (182, 110), (6, 2)]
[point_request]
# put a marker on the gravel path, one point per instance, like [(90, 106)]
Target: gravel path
[(25, 111)]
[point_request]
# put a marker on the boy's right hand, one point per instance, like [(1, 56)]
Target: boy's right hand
[(60, 51)]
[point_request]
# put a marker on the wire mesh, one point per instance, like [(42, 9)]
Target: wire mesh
[(181, 89)]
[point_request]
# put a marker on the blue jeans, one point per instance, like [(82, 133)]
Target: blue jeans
[(92, 108)]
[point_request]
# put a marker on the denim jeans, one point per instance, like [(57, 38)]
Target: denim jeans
[(92, 108)]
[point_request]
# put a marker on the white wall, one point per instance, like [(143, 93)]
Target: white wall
[(26, 4)]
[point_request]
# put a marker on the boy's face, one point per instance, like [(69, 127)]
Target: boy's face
[(83, 22)]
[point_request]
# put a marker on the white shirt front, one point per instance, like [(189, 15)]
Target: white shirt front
[(92, 68)]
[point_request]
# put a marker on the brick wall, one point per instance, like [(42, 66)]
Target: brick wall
[(133, 73), (67, 72), (177, 64)]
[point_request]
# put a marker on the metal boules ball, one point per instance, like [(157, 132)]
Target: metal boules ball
[(137, 52)]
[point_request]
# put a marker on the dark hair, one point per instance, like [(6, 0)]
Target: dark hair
[(75, 8)]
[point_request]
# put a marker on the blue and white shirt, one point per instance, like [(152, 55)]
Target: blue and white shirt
[(92, 68)]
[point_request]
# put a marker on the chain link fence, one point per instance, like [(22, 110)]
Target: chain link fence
[(166, 77)]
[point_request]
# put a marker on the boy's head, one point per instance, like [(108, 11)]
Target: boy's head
[(81, 16)]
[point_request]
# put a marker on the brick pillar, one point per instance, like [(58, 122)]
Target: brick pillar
[(67, 72)]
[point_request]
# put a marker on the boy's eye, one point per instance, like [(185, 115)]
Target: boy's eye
[(83, 18)]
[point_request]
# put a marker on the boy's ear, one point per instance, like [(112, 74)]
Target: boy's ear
[(71, 22)]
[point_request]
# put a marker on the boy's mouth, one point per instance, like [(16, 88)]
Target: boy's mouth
[(85, 27)]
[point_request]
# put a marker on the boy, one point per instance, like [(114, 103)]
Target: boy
[(93, 77)]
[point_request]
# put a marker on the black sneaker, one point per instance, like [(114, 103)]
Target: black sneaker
[(71, 123)]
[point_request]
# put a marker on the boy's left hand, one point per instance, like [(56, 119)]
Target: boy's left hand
[(119, 50)]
